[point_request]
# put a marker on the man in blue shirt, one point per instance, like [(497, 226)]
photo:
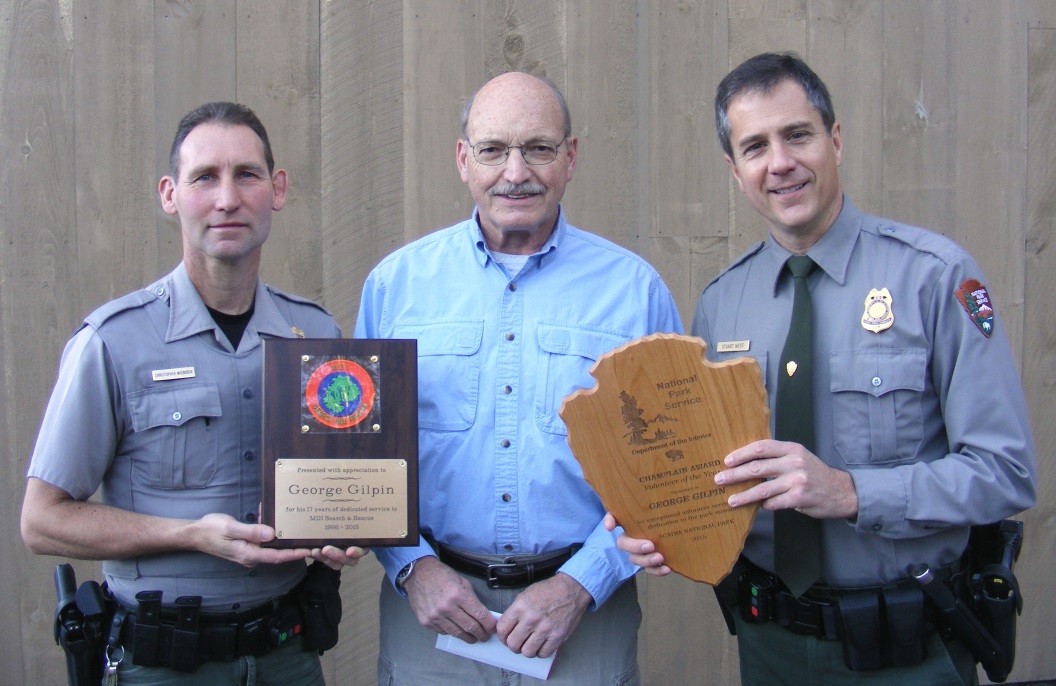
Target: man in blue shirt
[(510, 309)]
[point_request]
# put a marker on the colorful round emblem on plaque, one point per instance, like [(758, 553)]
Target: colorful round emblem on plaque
[(340, 394)]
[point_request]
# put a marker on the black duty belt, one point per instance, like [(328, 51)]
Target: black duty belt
[(510, 571), (183, 637), (762, 597)]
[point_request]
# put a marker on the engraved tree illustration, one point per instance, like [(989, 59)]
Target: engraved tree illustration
[(632, 419)]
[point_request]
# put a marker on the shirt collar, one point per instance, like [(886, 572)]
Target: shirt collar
[(832, 252), (188, 315), (483, 253)]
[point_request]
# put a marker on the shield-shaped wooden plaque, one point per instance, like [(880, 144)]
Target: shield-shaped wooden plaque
[(650, 437)]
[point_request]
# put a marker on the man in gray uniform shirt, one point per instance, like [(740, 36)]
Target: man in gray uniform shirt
[(921, 429), (158, 401)]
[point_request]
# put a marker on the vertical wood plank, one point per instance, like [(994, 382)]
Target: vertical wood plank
[(113, 128), (363, 156), (1035, 659)]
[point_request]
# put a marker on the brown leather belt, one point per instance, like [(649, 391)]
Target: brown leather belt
[(510, 571)]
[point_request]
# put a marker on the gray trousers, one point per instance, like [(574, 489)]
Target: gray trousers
[(773, 656), (602, 650)]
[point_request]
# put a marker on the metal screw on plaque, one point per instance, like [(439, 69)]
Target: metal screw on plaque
[(403, 533), (304, 358), (278, 464), (376, 427), (403, 464), (373, 358), (304, 429)]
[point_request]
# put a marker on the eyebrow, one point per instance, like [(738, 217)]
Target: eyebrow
[(255, 167)]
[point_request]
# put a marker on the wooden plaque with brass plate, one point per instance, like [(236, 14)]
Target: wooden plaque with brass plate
[(650, 437), (340, 442)]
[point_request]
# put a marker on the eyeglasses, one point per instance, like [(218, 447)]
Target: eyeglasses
[(494, 153)]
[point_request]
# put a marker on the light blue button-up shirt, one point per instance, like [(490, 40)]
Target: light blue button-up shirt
[(496, 356)]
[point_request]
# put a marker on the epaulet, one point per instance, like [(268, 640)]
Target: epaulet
[(126, 302), (919, 239), (289, 297), (750, 252)]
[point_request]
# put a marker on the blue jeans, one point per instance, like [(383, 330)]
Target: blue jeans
[(287, 666)]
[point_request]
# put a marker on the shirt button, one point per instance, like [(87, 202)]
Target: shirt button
[(160, 292), (877, 381), (510, 336), (176, 416), (252, 572), (507, 390), (248, 455), (506, 497), (513, 286), (507, 547), (877, 527), (248, 393), (504, 443), (251, 517)]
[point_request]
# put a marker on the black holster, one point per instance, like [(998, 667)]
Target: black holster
[(320, 603), (82, 622), (994, 591)]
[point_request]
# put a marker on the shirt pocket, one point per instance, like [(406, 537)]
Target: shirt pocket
[(175, 437), (568, 353), (877, 404), (449, 367)]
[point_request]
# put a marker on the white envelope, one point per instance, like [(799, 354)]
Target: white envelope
[(494, 652)]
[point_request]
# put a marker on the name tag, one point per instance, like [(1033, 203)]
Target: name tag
[(171, 374), (732, 346)]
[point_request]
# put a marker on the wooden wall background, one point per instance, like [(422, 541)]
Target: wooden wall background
[(949, 118)]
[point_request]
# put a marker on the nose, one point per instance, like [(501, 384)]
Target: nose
[(515, 169), (781, 159), (227, 195)]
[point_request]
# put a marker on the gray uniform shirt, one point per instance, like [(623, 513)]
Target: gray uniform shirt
[(928, 415), (153, 404)]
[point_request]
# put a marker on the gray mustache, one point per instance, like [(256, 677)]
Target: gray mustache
[(517, 189)]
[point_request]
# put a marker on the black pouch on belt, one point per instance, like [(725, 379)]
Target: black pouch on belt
[(320, 602), (907, 635), (863, 634)]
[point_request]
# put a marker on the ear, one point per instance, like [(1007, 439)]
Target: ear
[(736, 174), (573, 155), (278, 183), (462, 153), (837, 142), (165, 188)]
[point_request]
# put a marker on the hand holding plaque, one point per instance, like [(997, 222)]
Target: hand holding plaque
[(650, 437)]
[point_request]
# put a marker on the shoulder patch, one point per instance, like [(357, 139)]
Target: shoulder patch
[(976, 302), (127, 302)]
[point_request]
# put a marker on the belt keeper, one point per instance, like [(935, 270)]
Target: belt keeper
[(146, 638), (184, 656)]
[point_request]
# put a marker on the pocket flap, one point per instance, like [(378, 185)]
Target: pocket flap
[(173, 406)]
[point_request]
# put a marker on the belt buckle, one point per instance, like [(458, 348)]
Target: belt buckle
[(493, 581)]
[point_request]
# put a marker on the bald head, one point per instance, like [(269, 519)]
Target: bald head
[(519, 80)]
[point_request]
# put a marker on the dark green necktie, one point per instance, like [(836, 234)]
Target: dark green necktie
[(797, 537)]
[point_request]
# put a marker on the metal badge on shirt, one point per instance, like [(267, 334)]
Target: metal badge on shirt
[(878, 315), (976, 302)]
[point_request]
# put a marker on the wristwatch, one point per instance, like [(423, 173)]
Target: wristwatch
[(404, 574)]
